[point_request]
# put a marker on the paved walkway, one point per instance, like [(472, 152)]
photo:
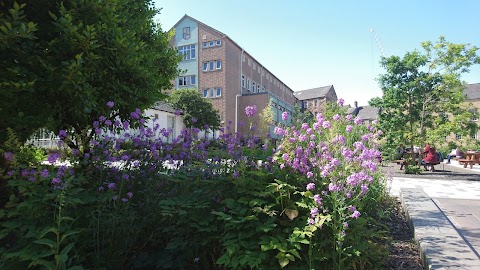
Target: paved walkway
[(444, 211)]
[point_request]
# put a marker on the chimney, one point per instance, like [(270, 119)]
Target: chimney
[(356, 104)]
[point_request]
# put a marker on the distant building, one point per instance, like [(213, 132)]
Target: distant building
[(315, 99), (227, 74), (472, 99), (367, 113)]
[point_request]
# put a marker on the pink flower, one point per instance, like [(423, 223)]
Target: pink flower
[(284, 116), (340, 102), (310, 186), (251, 110)]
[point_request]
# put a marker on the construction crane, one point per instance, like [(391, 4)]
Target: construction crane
[(378, 41)]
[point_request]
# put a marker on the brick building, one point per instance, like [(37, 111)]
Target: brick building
[(227, 74), (315, 99)]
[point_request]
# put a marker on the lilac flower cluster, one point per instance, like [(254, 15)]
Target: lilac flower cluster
[(335, 163)]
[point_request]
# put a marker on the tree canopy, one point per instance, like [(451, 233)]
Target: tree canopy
[(423, 93), (197, 111), (62, 61)]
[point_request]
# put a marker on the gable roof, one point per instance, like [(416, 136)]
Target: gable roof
[(319, 92), (472, 91)]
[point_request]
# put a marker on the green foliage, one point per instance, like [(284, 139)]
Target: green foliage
[(423, 95), (197, 111), (62, 61)]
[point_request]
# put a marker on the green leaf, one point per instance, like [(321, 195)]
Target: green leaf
[(44, 241), (67, 249), (67, 234), (76, 267)]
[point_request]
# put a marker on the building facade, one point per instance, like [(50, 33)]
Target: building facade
[(314, 100), (225, 73)]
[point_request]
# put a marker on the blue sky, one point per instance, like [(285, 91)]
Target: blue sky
[(309, 44)]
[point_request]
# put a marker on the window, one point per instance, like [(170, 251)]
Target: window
[(474, 114), (458, 136), (205, 93), (212, 92), (188, 51), (474, 134), (243, 81), (204, 45), (186, 32), (258, 69), (212, 65), (254, 87), (156, 116), (218, 42), (304, 104), (248, 84), (254, 66), (211, 44), (186, 80), (218, 92), (315, 102), (243, 58), (249, 62)]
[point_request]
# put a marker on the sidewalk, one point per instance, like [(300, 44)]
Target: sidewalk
[(444, 209)]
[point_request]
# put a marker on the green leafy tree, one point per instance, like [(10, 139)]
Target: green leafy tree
[(423, 94), (197, 111), (62, 61)]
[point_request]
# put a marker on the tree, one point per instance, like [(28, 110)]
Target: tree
[(62, 61), (422, 93), (197, 111)]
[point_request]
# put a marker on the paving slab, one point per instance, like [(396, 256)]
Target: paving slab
[(441, 245)]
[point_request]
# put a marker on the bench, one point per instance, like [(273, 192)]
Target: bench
[(466, 162), (402, 163)]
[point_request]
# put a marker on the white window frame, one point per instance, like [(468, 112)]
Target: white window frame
[(218, 92), (218, 42), (254, 86), (248, 84), (205, 93), (186, 80), (218, 65), (187, 51), (243, 81)]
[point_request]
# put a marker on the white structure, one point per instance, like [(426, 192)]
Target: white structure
[(165, 116)]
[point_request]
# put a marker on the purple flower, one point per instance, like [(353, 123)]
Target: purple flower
[(313, 212), (53, 157), (236, 174), (251, 110), (356, 214), (129, 195), (284, 116), (111, 185), (326, 125), (348, 128), (62, 134), (108, 122), (349, 117), (44, 173), (110, 104), (285, 157), (309, 174), (178, 112), (318, 199), (340, 102), (336, 117), (358, 120), (102, 118), (345, 225), (56, 181), (352, 208), (124, 200), (8, 156), (310, 186), (278, 131)]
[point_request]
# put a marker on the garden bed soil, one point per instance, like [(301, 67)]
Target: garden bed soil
[(404, 253)]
